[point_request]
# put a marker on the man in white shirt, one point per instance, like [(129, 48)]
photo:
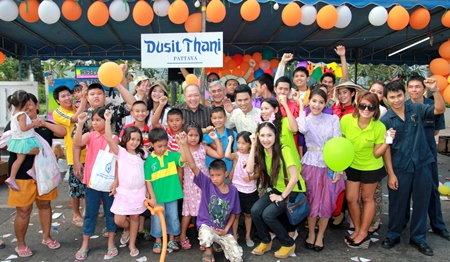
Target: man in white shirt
[(244, 117)]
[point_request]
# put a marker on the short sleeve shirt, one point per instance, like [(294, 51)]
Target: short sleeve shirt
[(224, 139), (364, 142), (201, 116), (161, 171), (289, 161), (216, 207), (145, 131)]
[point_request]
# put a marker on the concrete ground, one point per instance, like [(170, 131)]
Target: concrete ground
[(335, 250)]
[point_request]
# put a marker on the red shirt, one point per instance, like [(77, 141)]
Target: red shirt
[(172, 143), (293, 106), (340, 112), (144, 131)]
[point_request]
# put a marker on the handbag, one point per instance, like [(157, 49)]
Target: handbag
[(104, 171), (46, 167), (297, 210)]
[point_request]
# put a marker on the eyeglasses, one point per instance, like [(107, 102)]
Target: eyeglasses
[(363, 106), (212, 80)]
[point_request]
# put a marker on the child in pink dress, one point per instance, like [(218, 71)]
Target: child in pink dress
[(191, 192)]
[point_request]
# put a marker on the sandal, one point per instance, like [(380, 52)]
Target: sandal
[(12, 184), (112, 252), (78, 222), (186, 244), (285, 252), (202, 248), (217, 248), (262, 248), (24, 252), (208, 258), (81, 255), (173, 246), (124, 238), (134, 252), (51, 244), (249, 243), (157, 248)]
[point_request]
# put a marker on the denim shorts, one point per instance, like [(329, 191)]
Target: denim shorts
[(172, 221)]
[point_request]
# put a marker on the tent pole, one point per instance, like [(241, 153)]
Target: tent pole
[(202, 70), (356, 71)]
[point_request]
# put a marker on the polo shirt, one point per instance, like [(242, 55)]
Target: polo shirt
[(62, 117), (243, 121), (161, 171), (431, 125), (224, 139), (145, 131), (256, 102), (289, 161), (201, 116), (410, 150), (364, 142)]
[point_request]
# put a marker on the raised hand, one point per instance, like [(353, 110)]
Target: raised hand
[(227, 105), (252, 63), (181, 138), (253, 139), (283, 100), (430, 84), (108, 114), (82, 118), (230, 139), (340, 50), (163, 100), (286, 58), (124, 66), (213, 135)]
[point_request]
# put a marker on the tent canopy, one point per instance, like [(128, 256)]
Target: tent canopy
[(121, 40)]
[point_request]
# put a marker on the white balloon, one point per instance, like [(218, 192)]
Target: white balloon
[(344, 16), (276, 6), (378, 16), (309, 14), (119, 11), (161, 7), (49, 12), (8, 10)]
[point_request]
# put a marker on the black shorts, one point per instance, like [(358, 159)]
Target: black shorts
[(247, 201), (365, 177)]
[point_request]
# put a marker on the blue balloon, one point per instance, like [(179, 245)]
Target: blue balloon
[(447, 184), (258, 73)]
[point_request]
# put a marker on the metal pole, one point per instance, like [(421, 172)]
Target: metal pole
[(202, 70)]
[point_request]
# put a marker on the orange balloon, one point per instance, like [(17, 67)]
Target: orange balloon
[(226, 71), (194, 23), (244, 66), (327, 17), (231, 64), (215, 11), (32, 15), (247, 58), (441, 81), (446, 19), (444, 50), (226, 59), (178, 12), (292, 14), (257, 57), (274, 63), (439, 66), (98, 13), (250, 10), (71, 10), (191, 79), (443, 90), (398, 18), (420, 18), (238, 72), (446, 94), (2, 57), (143, 13), (110, 74)]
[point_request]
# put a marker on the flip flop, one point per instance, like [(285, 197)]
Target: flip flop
[(2, 244), (78, 222), (112, 252), (82, 255), (24, 252), (51, 244), (124, 238), (134, 252)]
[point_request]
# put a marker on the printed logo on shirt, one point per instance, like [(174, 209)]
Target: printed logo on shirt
[(218, 210)]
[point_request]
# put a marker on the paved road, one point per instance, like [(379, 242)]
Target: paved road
[(335, 250)]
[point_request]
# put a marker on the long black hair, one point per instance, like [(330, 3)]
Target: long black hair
[(274, 104), (127, 136)]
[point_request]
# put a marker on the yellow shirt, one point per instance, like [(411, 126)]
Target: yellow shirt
[(62, 117), (363, 142)]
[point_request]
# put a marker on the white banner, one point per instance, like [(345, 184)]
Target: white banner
[(184, 50)]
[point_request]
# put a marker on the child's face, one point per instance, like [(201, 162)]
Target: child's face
[(218, 119), (159, 147), (300, 79), (218, 176), (316, 104), (77, 94), (266, 137), (139, 112), (98, 123), (242, 146), (267, 110), (175, 123), (396, 99), (345, 96), (134, 142), (193, 137), (96, 98)]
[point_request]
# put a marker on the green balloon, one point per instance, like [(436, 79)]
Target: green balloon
[(338, 153), (317, 73), (267, 54)]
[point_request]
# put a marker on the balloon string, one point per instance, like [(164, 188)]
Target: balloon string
[(223, 1), (125, 4), (271, 7), (26, 4)]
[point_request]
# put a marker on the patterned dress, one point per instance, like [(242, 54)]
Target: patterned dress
[(192, 194)]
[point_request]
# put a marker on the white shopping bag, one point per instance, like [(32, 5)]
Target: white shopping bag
[(103, 171)]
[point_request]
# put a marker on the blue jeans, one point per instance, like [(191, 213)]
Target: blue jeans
[(172, 221), (265, 215), (92, 205)]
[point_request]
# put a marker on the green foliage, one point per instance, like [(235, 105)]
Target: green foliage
[(9, 70)]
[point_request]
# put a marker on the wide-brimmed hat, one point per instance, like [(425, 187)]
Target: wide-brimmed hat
[(240, 80), (350, 84), (140, 79), (162, 84)]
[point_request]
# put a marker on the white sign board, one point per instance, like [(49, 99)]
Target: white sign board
[(182, 50)]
